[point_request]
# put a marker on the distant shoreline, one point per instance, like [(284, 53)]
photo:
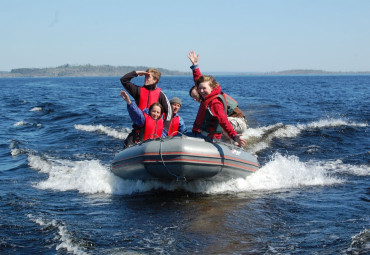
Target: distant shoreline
[(288, 73), (81, 71), (111, 71)]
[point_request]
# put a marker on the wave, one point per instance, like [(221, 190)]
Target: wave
[(338, 167), (21, 123), (260, 138), (15, 150), (360, 243), (119, 134), (330, 122), (36, 109), (63, 235), (24, 123), (86, 176), (281, 172)]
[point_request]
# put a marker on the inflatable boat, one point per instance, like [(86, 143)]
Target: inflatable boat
[(183, 158)]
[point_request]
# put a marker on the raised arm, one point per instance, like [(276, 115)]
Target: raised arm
[(193, 57), (125, 97), (135, 113), (131, 88), (141, 73)]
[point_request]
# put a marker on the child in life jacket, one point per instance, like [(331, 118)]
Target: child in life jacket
[(211, 119), (149, 121), (234, 114), (177, 122)]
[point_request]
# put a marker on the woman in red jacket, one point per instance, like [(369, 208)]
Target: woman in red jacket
[(211, 118), (234, 114)]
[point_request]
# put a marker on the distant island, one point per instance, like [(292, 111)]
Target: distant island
[(313, 72), (108, 70), (292, 72), (81, 71)]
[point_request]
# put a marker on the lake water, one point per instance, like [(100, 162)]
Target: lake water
[(311, 195)]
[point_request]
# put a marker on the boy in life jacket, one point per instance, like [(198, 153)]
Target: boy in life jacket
[(212, 119), (234, 114), (177, 123), (149, 121), (145, 96)]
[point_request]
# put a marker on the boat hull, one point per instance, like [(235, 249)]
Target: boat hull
[(183, 158)]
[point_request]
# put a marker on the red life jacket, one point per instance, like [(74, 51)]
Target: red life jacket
[(200, 121), (148, 97), (205, 121), (174, 126), (152, 129)]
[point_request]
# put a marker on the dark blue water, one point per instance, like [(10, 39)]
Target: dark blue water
[(311, 196)]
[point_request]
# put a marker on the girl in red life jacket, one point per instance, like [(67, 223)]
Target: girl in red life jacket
[(149, 120), (211, 117), (236, 116)]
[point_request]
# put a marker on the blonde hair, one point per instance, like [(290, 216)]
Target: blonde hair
[(208, 78), (155, 72)]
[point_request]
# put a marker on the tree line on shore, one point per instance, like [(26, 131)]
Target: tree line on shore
[(108, 70), (81, 71)]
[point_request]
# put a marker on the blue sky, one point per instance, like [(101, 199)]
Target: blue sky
[(234, 35)]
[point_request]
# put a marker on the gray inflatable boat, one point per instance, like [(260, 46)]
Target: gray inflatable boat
[(183, 158)]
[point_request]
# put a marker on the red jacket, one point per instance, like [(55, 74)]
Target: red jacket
[(216, 108), (196, 74)]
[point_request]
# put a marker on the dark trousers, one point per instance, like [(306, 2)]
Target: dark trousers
[(130, 139)]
